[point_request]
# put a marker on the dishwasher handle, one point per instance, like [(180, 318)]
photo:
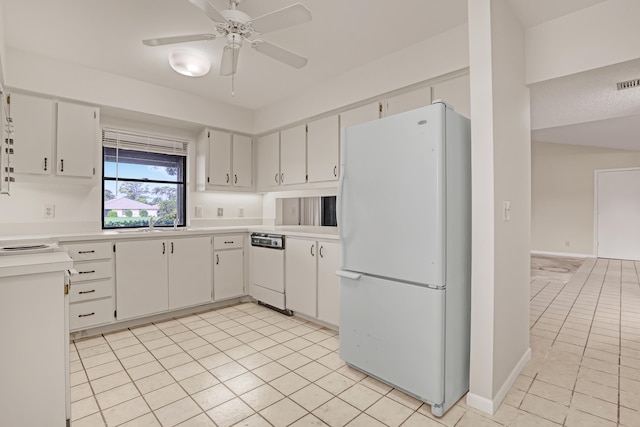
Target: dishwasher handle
[(348, 275)]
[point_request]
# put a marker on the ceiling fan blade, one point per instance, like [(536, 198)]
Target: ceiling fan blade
[(209, 10), (280, 54), (282, 18), (178, 39), (229, 61)]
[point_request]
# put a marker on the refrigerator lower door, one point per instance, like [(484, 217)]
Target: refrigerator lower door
[(395, 332)]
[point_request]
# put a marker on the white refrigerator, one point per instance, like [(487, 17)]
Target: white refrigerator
[(404, 219)]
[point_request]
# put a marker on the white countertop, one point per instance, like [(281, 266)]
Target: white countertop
[(17, 265), (163, 233)]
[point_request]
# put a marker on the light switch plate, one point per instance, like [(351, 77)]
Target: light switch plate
[(506, 210), (220, 211), (199, 212), (241, 212)]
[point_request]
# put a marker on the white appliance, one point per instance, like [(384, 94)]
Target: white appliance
[(404, 219), (266, 272)]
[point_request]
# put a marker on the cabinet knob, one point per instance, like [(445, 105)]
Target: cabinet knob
[(312, 248), (235, 178), (227, 178), (282, 178), (217, 259), (163, 248), (320, 252), (276, 178)]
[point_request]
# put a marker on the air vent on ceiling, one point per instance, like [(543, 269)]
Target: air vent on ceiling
[(629, 84)]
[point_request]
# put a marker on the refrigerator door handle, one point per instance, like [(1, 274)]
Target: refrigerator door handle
[(348, 275)]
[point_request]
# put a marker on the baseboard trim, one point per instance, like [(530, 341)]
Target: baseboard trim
[(491, 406), (562, 254)]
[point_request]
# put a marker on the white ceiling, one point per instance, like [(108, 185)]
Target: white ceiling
[(343, 35)]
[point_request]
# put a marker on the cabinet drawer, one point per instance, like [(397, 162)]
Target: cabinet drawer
[(228, 242), (90, 313), (89, 251), (92, 270), (91, 290)]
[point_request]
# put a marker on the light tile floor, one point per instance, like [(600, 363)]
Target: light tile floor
[(249, 366)]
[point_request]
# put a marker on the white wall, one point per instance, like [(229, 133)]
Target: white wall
[(594, 37), (562, 194), (58, 79), (500, 133), (2, 44), (441, 54)]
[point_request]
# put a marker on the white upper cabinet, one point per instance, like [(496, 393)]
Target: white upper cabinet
[(219, 158), (223, 160), (268, 160), (33, 134), (293, 156), (242, 166), (406, 101), (76, 140), (363, 114), (455, 92), (323, 148)]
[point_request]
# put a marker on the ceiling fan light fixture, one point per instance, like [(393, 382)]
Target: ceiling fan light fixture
[(189, 63)]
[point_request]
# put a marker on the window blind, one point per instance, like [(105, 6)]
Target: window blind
[(125, 140)]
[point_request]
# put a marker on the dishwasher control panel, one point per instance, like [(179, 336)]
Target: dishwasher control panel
[(265, 240)]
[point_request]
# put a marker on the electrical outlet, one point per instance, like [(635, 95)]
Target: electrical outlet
[(49, 211), (241, 212), (198, 211), (567, 244), (220, 211)]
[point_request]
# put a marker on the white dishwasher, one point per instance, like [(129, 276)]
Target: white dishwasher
[(266, 272)]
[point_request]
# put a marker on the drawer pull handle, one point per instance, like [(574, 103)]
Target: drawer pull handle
[(87, 272), (45, 163), (228, 242), (61, 165), (235, 178), (87, 292), (312, 248), (217, 259), (86, 315), (321, 253), (87, 252)]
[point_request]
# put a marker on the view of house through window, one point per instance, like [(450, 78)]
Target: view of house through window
[(143, 182)]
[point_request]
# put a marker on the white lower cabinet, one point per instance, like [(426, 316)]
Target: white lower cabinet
[(142, 283), (328, 282), (228, 266), (312, 287), (300, 276), (91, 301), (157, 275), (190, 272)]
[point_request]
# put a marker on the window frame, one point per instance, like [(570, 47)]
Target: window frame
[(180, 183)]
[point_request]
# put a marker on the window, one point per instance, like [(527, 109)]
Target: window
[(143, 180)]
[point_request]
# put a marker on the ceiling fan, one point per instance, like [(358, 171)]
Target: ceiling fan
[(235, 25)]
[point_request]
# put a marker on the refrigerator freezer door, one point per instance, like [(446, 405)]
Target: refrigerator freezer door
[(395, 332), (391, 210)]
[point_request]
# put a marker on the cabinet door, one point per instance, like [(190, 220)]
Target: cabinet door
[(219, 158), (242, 161), (76, 141), (293, 156), (141, 278), (328, 282), (228, 274), (190, 275), (323, 149), (407, 101), (300, 276), (455, 92), (33, 134), (363, 114), (268, 160)]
